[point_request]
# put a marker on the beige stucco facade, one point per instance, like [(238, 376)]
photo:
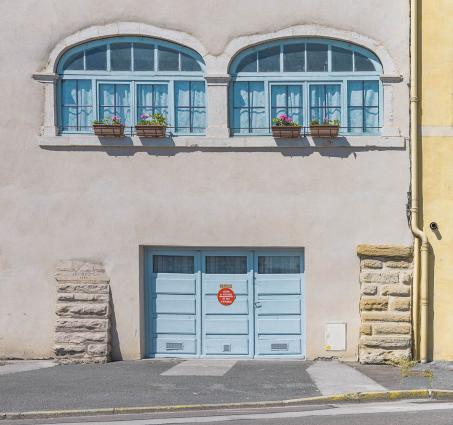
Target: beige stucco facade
[(78, 199)]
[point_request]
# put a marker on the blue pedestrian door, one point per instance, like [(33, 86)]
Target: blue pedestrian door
[(184, 317)]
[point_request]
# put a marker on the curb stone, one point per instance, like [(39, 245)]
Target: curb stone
[(339, 398)]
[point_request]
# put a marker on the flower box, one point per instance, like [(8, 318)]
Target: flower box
[(324, 130), (286, 131), (150, 130), (115, 130)]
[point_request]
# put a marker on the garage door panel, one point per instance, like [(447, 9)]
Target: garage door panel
[(227, 327), (238, 307), (172, 306), (279, 326), (227, 346), (239, 287), (184, 325), (284, 286), (279, 347), (279, 307), (175, 345), (174, 286)]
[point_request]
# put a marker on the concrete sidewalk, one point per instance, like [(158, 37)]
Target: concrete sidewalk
[(170, 382)]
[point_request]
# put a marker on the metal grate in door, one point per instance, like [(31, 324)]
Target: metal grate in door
[(279, 347), (174, 346)]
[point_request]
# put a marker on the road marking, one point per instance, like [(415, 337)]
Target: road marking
[(201, 367), (333, 377), (395, 407)]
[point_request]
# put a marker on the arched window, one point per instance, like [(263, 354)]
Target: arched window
[(128, 77), (305, 78)]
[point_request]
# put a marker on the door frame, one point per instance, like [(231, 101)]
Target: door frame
[(252, 253)]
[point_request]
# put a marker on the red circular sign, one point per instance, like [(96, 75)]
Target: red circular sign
[(225, 296)]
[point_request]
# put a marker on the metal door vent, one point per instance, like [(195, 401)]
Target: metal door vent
[(279, 347), (227, 348), (174, 346)]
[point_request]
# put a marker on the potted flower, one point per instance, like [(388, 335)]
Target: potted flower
[(328, 128), (285, 127), (154, 126), (109, 127)]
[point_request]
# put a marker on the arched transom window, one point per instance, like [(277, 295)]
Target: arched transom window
[(306, 79), (130, 76)]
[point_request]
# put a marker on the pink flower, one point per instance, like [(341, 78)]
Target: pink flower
[(288, 119), (283, 117), (313, 116), (143, 116), (325, 119)]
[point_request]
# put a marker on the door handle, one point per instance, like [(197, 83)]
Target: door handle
[(258, 305)]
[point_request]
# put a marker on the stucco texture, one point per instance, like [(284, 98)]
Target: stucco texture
[(436, 112), (103, 204)]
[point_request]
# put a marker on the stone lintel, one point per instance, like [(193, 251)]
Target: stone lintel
[(398, 251)]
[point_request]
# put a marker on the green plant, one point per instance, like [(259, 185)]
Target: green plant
[(109, 121), (284, 120), (156, 119), (326, 121), (404, 364)]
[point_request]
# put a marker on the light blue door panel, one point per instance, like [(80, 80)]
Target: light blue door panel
[(227, 346), (279, 347), (238, 307), (170, 306), (174, 346), (175, 326), (239, 287), (227, 327), (279, 306), (279, 326), (175, 286), (269, 287)]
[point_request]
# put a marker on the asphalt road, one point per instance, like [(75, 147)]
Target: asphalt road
[(395, 413)]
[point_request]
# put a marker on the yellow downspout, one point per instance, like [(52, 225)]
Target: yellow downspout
[(423, 256)]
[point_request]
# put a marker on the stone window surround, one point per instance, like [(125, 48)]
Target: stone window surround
[(217, 79)]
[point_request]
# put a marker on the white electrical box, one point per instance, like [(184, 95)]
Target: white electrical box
[(336, 336)]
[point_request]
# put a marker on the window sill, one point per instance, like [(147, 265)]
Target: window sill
[(218, 142)]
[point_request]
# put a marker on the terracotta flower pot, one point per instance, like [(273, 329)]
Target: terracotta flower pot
[(115, 130), (150, 130), (324, 130), (286, 131)]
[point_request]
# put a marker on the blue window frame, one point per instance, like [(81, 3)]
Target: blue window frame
[(302, 78), (128, 77)]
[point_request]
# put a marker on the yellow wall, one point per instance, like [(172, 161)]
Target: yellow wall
[(436, 120)]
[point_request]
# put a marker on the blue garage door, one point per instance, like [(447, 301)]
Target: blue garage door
[(185, 318)]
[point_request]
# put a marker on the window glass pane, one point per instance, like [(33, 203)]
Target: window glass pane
[(248, 64), (85, 117), (74, 62), (198, 93), (341, 59), (96, 58), (188, 63), (355, 94), (182, 93), (190, 98), (371, 96), (355, 120), (69, 89), (258, 120), (294, 57), (279, 264), (371, 118), (257, 94), (317, 57), (333, 95), (198, 120), (173, 264), (106, 94), (226, 264), (317, 95), (269, 59), (69, 118), (120, 57), (362, 63), (161, 95), (279, 96), (241, 94), (143, 57), (84, 92), (168, 59), (123, 94), (287, 100), (146, 93)]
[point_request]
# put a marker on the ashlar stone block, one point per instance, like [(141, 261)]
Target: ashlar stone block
[(397, 290), (401, 304), (374, 303), (372, 264)]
